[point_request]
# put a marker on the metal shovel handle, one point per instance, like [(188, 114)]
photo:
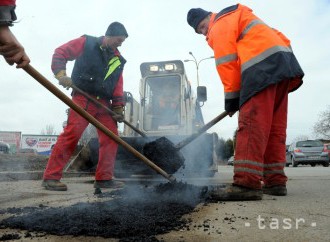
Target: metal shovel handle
[(89, 97), (201, 130), (53, 89)]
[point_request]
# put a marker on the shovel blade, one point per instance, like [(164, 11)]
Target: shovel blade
[(164, 154)]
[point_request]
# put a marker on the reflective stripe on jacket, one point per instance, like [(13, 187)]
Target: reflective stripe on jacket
[(249, 55)]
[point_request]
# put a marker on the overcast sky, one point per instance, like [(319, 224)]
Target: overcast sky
[(158, 31)]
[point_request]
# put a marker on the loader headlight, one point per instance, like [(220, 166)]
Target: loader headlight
[(169, 67), (153, 68)]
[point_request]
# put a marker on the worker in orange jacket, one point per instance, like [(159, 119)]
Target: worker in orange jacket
[(258, 69)]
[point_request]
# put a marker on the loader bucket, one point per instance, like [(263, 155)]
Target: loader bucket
[(198, 159), (163, 152)]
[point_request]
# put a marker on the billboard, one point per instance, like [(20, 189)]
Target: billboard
[(43, 144), (13, 138)]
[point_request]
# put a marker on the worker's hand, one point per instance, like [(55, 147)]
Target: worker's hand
[(232, 106), (11, 49), (63, 79), (119, 110)]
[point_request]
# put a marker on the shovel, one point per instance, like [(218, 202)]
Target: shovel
[(53, 89), (164, 151)]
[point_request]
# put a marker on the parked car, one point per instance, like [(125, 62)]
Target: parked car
[(308, 152), (230, 161), (4, 148)]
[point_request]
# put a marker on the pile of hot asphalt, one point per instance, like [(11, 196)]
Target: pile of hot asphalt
[(134, 213)]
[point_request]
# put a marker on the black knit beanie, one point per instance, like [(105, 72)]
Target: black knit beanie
[(116, 29), (195, 16)]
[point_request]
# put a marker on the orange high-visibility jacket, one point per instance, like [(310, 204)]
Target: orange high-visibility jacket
[(249, 55)]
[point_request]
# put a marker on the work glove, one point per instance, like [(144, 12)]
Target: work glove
[(119, 110), (63, 79), (231, 106)]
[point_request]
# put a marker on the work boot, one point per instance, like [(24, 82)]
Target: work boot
[(234, 193), (54, 185), (108, 184), (279, 190)]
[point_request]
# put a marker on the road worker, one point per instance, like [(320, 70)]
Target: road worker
[(97, 71), (169, 105), (258, 69)]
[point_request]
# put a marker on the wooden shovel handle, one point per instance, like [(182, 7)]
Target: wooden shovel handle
[(201, 130)]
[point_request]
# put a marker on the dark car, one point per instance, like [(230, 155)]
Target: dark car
[(4, 148), (308, 152), (230, 161)]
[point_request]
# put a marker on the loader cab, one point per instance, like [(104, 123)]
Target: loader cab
[(166, 99), (162, 106)]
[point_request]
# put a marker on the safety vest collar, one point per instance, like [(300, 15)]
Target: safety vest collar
[(216, 16), (225, 11)]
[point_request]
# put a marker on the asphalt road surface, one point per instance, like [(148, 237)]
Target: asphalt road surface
[(303, 215)]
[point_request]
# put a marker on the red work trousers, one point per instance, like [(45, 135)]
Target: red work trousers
[(68, 140), (261, 136)]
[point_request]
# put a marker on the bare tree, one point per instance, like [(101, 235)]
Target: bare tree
[(300, 138), (322, 126), (228, 149), (48, 130)]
